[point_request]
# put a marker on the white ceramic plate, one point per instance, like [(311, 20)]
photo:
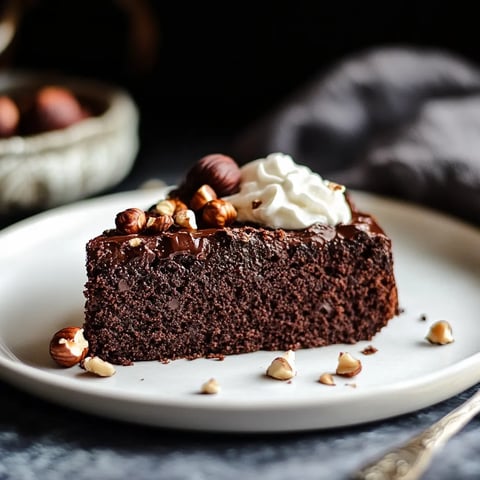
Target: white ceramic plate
[(438, 272)]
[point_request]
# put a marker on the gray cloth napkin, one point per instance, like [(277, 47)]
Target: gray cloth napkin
[(403, 122)]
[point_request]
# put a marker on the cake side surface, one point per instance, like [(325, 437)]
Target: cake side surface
[(189, 294)]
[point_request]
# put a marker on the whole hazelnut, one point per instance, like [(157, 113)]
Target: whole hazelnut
[(68, 346), (55, 108), (219, 171), (218, 213), (9, 116), (202, 196), (132, 220)]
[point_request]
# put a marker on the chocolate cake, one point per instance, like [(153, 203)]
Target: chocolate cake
[(161, 287)]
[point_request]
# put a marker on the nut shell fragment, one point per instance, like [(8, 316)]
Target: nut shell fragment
[(440, 333)]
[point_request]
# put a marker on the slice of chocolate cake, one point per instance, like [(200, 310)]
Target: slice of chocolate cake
[(246, 272)]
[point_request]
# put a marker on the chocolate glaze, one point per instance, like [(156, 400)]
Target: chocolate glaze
[(197, 242)]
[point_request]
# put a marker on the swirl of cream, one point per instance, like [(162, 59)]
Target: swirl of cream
[(276, 192)]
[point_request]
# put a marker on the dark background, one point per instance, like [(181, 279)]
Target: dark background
[(208, 70)]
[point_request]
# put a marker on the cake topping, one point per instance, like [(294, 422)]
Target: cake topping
[(219, 171), (277, 193), (132, 220), (218, 213)]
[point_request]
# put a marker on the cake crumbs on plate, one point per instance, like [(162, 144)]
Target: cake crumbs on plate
[(369, 350)]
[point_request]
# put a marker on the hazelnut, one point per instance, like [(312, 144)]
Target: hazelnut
[(202, 196), (159, 224), (98, 366), (186, 219), (169, 206), (335, 186), (68, 346), (9, 116), (210, 387), (56, 107), (283, 368), (347, 365), (135, 242), (440, 333), (219, 213), (219, 171), (164, 207), (132, 220), (327, 379)]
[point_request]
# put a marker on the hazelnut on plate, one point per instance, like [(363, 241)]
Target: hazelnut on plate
[(348, 366), (440, 333), (68, 346), (283, 368)]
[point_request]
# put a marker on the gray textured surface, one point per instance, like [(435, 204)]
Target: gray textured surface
[(40, 440)]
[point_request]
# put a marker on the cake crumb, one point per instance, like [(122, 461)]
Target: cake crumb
[(370, 350), (423, 317), (351, 385)]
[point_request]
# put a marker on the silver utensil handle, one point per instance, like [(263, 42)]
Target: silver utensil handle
[(409, 461)]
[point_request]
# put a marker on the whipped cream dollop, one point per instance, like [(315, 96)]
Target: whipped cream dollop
[(278, 193)]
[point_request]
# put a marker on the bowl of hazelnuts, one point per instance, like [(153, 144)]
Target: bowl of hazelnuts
[(62, 139)]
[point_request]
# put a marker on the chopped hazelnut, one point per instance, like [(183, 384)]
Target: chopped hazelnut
[(210, 387), (164, 207), (335, 186), (98, 366), (159, 224), (327, 379), (440, 333), (186, 219), (283, 368), (347, 365), (135, 242), (202, 196)]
